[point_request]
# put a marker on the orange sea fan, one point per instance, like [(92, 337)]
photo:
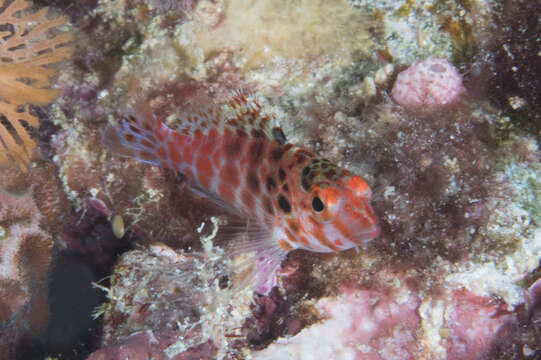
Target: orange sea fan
[(30, 41)]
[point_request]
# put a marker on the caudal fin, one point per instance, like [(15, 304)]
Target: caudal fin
[(135, 134)]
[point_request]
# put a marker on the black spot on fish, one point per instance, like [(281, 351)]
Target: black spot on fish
[(135, 130), (257, 133), (284, 204), (271, 184), (233, 146), (277, 154), (248, 199), (256, 151), (253, 182), (285, 188), (300, 157), (267, 205), (281, 174), (305, 184)]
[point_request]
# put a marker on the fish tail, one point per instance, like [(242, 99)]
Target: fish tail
[(138, 134)]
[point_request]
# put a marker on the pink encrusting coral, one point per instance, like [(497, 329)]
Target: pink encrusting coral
[(472, 322), (396, 322), (359, 324), (25, 256), (428, 85)]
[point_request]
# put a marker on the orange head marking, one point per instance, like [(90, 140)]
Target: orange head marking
[(358, 187)]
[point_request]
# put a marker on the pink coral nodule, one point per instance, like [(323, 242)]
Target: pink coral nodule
[(428, 85)]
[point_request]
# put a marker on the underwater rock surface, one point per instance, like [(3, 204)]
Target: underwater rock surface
[(26, 251), (452, 158)]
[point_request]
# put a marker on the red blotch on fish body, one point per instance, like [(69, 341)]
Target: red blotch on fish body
[(230, 175), (285, 245), (162, 154), (205, 170), (248, 199), (176, 157), (204, 179), (162, 131), (359, 187), (226, 191), (343, 229), (206, 149), (204, 165), (304, 240), (178, 139), (189, 173), (188, 153)]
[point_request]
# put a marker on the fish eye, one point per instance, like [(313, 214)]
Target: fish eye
[(317, 204)]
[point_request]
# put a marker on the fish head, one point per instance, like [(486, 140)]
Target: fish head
[(337, 210), (357, 211)]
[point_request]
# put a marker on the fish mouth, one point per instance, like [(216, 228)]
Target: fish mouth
[(372, 233), (368, 235)]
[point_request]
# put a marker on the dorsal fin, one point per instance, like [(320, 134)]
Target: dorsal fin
[(241, 111), (200, 116), (244, 112)]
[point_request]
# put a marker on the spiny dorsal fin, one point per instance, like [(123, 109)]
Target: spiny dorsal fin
[(201, 116), (245, 113), (241, 111)]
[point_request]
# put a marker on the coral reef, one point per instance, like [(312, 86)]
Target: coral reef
[(357, 324), (393, 324), (34, 216), (30, 43), (191, 313), (194, 310), (456, 188)]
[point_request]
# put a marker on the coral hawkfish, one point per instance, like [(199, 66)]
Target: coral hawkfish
[(292, 198)]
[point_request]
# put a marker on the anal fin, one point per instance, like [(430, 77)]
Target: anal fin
[(255, 256)]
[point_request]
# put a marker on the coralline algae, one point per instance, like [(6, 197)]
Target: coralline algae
[(25, 257), (428, 85)]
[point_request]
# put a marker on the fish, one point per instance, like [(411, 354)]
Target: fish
[(232, 154)]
